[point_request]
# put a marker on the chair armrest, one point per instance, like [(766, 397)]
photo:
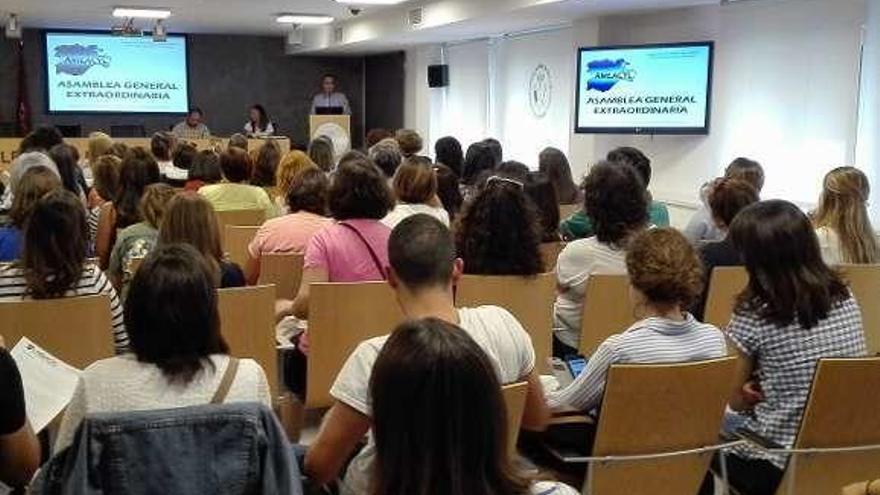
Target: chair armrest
[(757, 439)]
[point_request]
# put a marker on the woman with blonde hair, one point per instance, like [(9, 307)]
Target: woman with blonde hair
[(190, 219), (291, 165), (841, 220)]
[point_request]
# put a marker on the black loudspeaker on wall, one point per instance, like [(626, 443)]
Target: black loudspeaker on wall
[(438, 76)]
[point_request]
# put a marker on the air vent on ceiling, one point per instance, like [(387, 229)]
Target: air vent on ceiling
[(338, 35), (416, 17)]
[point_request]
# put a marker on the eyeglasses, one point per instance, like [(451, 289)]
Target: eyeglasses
[(499, 179)]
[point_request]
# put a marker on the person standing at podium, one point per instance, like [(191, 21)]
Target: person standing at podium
[(329, 101)]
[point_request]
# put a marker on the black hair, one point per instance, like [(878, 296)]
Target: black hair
[(447, 150), (496, 149), (193, 110), (43, 138), (541, 191), (616, 201), (448, 190), (183, 156), (479, 159), (263, 118), (514, 170), (627, 155), (421, 250), (66, 159), (788, 280), (171, 313)]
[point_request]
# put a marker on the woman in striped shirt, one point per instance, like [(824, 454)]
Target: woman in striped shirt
[(666, 277), (53, 262)]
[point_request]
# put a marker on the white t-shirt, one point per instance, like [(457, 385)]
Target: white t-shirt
[(829, 244), (579, 260), (494, 329), (404, 210), (123, 383), (552, 488)]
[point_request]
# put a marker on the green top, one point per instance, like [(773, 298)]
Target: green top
[(579, 225)]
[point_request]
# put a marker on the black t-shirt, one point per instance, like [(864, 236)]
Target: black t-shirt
[(12, 413), (231, 275)]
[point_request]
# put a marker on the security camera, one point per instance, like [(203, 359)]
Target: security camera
[(355, 11)]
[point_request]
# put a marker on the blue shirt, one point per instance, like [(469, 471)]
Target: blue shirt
[(10, 244)]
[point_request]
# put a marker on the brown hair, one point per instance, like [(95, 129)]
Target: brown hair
[(33, 185), (410, 142), (664, 266), (843, 208), (748, 170), (728, 197), (154, 201), (55, 241), (266, 163), (190, 219), (235, 164), (106, 174), (415, 181)]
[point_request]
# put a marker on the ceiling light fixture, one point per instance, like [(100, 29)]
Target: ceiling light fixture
[(141, 13), (303, 19)]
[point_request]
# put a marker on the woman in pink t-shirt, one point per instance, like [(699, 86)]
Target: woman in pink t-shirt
[(307, 200), (355, 247)]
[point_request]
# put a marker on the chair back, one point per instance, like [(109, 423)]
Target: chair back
[(725, 284), (864, 281), (529, 300), (341, 316), (840, 412), (77, 330), (247, 321), (608, 310), (550, 254), (653, 409), (515, 404), (236, 239), (241, 218), (284, 270)]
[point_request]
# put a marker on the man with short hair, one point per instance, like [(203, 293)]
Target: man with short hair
[(424, 271), (192, 127)]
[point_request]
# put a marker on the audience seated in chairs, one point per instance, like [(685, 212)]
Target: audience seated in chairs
[(137, 171), (423, 271), (53, 261), (439, 418), (616, 204)]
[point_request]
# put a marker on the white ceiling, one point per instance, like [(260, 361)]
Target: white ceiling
[(188, 16), (386, 25)]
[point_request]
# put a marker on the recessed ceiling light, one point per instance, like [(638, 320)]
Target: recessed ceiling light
[(370, 2), (141, 12), (303, 19)]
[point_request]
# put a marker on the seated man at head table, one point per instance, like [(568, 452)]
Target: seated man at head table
[(192, 127)]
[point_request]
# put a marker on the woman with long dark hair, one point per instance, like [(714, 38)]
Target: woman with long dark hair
[(439, 418), (794, 311), (258, 124), (53, 261), (554, 163)]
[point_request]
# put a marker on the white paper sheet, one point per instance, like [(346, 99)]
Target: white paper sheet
[(48, 382)]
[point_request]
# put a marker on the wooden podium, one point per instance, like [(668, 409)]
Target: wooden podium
[(335, 127)]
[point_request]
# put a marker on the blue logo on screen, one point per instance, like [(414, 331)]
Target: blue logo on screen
[(76, 59), (605, 74)]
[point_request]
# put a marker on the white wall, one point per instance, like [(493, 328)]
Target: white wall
[(785, 92), (868, 145)]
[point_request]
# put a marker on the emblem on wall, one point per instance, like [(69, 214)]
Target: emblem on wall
[(540, 91)]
